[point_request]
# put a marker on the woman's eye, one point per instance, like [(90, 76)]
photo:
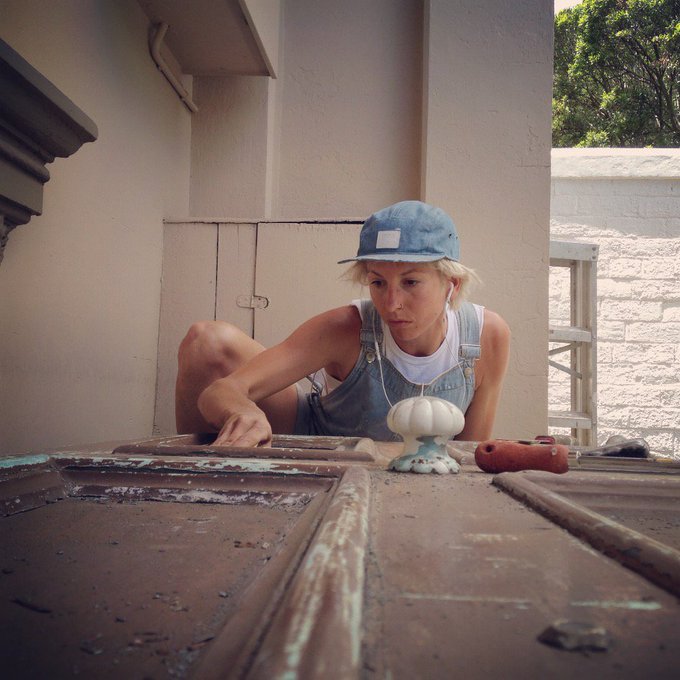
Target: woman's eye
[(376, 283), (411, 282)]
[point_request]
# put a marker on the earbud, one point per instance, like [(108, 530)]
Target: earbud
[(448, 298)]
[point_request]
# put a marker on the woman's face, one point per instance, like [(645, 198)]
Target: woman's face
[(410, 298)]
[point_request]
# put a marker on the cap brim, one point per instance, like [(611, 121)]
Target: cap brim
[(397, 257)]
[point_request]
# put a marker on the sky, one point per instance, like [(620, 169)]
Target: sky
[(561, 4)]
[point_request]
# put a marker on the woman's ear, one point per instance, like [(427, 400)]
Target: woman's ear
[(454, 284)]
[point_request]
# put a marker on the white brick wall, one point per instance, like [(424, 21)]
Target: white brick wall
[(627, 201)]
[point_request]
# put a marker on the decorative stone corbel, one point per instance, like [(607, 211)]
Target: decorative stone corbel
[(37, 123)]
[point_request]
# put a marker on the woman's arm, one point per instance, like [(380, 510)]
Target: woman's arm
[(328, 340), (489, 374)]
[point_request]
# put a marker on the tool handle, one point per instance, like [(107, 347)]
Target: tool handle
[(502, 455)]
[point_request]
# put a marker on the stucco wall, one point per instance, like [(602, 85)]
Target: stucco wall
[(627, 202), (80, 285), (338, 133)]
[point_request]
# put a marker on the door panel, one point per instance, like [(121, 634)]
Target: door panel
[(297, 271), (236, 274), (187, 295), (214, 270)]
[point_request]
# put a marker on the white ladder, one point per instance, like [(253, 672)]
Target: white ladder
[(579, 339)]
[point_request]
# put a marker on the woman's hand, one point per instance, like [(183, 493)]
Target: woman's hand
[(232, 405), (238, 420), (246, 429)]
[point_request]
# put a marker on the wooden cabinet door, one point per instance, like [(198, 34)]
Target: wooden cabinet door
[(224, 271), (296, 270), (187, 295)]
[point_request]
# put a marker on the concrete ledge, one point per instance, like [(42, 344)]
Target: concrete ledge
[(615, 163)]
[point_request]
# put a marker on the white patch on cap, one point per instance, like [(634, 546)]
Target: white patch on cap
[(388, 239)]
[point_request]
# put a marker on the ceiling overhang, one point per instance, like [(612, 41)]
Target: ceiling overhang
[(220, 37)]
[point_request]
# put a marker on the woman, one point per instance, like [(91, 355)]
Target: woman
[(416, 335)]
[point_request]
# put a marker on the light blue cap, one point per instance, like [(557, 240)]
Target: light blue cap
[(409, 231)]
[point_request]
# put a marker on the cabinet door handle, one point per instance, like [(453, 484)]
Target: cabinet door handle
[(252, 301)]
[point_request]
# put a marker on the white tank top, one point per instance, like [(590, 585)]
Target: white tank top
[(419, 370)]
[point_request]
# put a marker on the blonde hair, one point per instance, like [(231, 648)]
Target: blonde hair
[(447, 269)]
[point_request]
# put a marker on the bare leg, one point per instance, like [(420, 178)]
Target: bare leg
[(213, 350)]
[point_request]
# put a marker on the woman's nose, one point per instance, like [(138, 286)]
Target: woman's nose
[(394, 300)]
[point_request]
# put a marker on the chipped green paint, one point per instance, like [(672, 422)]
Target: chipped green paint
[(638, 605), (16, 461), (329, 555), (322, 628)]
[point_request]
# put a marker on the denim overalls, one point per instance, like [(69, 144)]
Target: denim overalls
[(358, 408)]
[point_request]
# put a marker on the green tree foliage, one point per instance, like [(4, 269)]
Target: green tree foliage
[(617, 74)]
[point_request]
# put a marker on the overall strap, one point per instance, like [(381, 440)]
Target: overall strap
[(468, 328), (371, 326)]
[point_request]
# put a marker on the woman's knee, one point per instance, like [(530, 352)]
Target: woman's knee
[(215, 345)]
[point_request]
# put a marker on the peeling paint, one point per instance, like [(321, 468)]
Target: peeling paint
[(489, 538), (228, 497), (506, 562), (250, 465), (329, 555), (179, 463), (16, 461), (321, 631), (479, 599), (639, 605)]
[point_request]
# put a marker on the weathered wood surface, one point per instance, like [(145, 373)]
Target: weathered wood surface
[(155, 563)]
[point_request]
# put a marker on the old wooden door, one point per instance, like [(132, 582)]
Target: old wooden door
[(173, 558)]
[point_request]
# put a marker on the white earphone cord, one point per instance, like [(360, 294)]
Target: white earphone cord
[(422, 385)]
